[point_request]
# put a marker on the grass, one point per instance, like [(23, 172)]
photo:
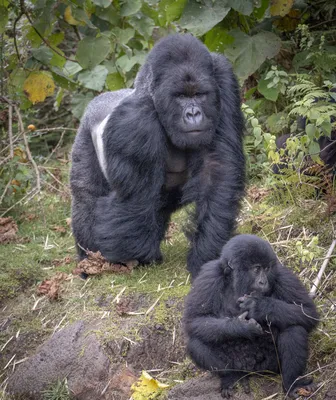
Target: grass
[(121, 306)]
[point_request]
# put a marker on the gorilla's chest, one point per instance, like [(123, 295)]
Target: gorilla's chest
[(176, 168)]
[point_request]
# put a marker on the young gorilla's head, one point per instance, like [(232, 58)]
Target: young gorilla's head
[(251, 263), (184, 90)]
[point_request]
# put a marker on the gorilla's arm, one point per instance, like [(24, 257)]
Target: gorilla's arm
[(222, 180), (289, 304), (134, 148), (205, 311)]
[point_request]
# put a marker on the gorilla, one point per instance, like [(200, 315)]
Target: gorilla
[(248, 313), (142, 153), (327, 153)]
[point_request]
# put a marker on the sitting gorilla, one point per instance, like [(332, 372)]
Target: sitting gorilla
[(248, 313), (142, 153)]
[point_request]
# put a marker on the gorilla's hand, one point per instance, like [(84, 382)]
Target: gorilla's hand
[(250, 304), (251, 324)]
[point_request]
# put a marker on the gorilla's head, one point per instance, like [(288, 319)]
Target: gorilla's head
[(184, 90), (252, 264)]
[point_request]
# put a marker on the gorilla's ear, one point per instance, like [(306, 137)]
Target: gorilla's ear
[(226, 265), (144, 80)]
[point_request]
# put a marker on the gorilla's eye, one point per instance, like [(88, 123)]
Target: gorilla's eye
[(256, 268), (267, 268)]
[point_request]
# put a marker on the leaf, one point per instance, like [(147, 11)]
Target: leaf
[(92, 51), (260, 11), (42, 54), (170, 10), (52, 287), (126, 64), (94, 79), (71, 68), (281, 7), (130, 7), (108, 14), (218, 39), (199, 18), (247, 53), (242, 6), (147, 388), (143, 24), (3, 18), (38, 86), (79, 103), (310, 131), (123, 36), (314, 149), (270, 93), (102, 3), (8, 230), (63, 80), (114, 81), (69, 18)]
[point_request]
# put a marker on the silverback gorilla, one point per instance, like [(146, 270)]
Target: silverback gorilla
[(248, 313), (142, 153)]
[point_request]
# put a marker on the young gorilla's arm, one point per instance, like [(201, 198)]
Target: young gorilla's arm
[(288, 305), (204, 307)]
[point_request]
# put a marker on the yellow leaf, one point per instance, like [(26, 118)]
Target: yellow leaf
[(281, 7), (38, 86), (69, 18), (147, 388)]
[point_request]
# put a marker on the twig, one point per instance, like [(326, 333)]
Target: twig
[(10, 130), (322, 269), (32, 193), (30, 157), (55, 148), (4, 192)]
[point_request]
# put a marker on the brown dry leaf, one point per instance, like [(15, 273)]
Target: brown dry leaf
[(172, 229), (123, 307), (63, 261), (96, 264), (304, 392), (257, 194), (60, 229), (8, 230), (52, 287)]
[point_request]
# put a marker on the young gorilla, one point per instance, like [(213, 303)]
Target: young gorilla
[(140, 154), (246, 312)]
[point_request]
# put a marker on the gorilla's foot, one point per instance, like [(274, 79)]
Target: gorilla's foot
[(302, 389)]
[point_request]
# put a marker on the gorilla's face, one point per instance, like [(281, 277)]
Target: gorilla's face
[(187, 102)]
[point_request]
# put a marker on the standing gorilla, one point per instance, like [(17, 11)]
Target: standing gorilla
[(141, 154), (248, 313)]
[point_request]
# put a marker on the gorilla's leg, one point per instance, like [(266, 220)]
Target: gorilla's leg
[(129, 229), (292, 346), (230, 379)]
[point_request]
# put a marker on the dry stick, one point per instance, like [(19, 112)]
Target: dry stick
[(322, 269), (10, 130), (55, 148), (30, 157)]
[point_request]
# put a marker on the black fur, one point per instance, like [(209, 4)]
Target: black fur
[(234, 304), (175, 139)]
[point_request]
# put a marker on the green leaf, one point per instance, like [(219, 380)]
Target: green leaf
[(123, 36), (130, 7), (58, 98), (102, 3), (310, 131), (62, 80), (247, 53), (57, 60), (218, 39), (260, 11), (42, 54), (242, 6), (270, 93), (79, 103), (170, 10), (3, 18), (314, 148), (198, 18), (94, 79), (143, 24), (126, 64), (114, 81), (71, 68), (56, 38), (108, 14), (92, 51)]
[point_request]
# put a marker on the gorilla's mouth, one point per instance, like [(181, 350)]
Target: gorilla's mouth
[(193, 133)]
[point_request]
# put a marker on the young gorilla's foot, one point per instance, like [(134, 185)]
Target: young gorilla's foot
[(302, 389), (229, 381)]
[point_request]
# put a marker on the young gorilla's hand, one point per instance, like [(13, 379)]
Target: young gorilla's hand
[(249, 303), (251, 324)]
